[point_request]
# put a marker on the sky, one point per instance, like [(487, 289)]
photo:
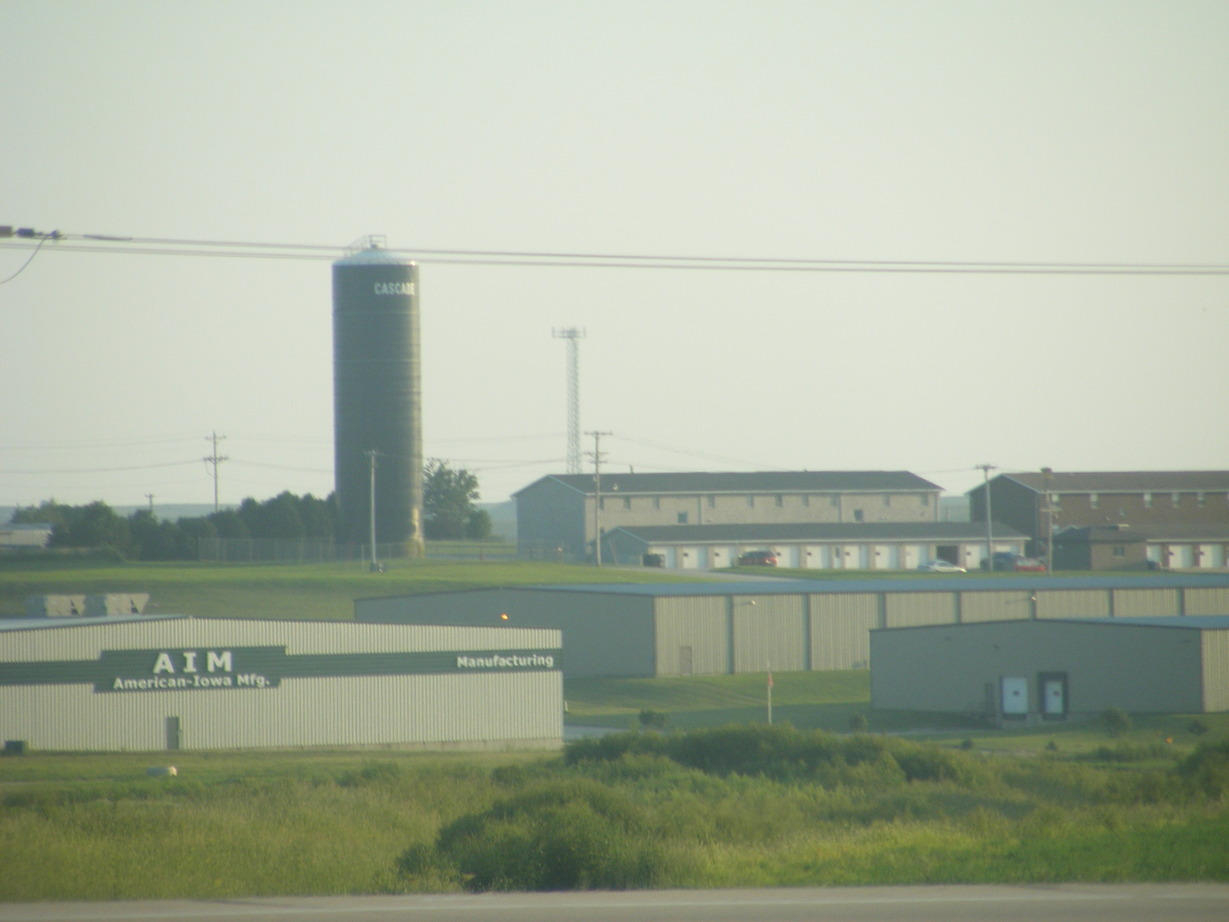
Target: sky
[(880, 135)]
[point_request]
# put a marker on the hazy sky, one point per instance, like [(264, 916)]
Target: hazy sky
[(1038, 132)]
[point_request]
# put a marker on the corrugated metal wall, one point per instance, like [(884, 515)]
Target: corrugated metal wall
[(693, 636), (1207, 601), (1146, 603), (1014, 605), (840, 630), (909, 609), (1215, 663), (488, 709), (769, 630), (1073, 603)]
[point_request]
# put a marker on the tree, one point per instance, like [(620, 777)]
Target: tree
[(95, 526), (448, 498), (48, 512)]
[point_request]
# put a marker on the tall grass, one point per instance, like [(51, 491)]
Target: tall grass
[(750, 806)]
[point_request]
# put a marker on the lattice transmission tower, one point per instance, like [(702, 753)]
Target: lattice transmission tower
[(572, 335)]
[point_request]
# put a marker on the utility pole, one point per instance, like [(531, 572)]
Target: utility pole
[(372, 454), (150, 497), (215, 459), (986, 469), (1049, 511), (597, 494), (571, 334)]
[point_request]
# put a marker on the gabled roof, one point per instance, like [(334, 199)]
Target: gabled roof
[(1186, 532), (1121, 481), (816, 531), (746, 482)]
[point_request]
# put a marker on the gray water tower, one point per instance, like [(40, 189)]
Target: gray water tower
[(377, 396)]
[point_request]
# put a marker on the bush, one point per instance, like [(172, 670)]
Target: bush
[(1116, 721), (1207, 769), (567, 835)]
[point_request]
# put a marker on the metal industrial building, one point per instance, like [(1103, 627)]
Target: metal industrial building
[(813, 545), (716, 628), (154, 683), (1037, 671)]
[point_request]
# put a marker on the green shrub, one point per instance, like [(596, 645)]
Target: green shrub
[(1116, 721), (565, 835), (1206, 769)]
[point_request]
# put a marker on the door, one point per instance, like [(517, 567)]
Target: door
[(1053, 687), (174, 736), (1014, 700)]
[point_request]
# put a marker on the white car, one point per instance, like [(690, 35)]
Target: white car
[(941, 566)]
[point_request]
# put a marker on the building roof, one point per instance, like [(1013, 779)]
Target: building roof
[(1186, 532), (42, 624), (1121, 481), (771, 585), (1184, 622), (746, 482), (816, 531)]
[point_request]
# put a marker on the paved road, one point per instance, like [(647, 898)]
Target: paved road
[(1066, 903)]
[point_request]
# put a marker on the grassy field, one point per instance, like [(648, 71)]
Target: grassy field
[(733, 806), (304, 591), (716, 799)]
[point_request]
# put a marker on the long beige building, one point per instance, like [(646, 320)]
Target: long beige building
[(167, 683), (559, 515)]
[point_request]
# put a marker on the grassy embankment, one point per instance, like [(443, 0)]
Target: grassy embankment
[(740, 806)]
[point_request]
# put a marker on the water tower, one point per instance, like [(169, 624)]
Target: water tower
[(377, 397)]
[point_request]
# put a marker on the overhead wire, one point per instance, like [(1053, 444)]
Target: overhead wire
[(154, 246)]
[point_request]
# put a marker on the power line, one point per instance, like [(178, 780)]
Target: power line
[(96, 243)]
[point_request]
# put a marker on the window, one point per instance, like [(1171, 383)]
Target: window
[(806, 499), (656, 502), (627, 502), (834, 500), (712, 502), (682, 518), (1094, 500), (887, 499), (857, 515), (750, 502), (778, 500), (1147, 500), (1176, 499), (1199, 499), (1120, 550)]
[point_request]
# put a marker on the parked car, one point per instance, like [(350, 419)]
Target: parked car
[(653, 560), (757, 559), (941, 566)]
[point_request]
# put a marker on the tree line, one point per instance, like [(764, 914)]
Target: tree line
[(449, 512)]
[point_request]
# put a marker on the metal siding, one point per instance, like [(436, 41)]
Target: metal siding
[(769, 632), (700, 623), (604, 633), (1145, 603), (477, 708), (1215, 663), (1207, 601), (909, 609), (995, 606), (1137, 668), (840, 630), (1073, 603)]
